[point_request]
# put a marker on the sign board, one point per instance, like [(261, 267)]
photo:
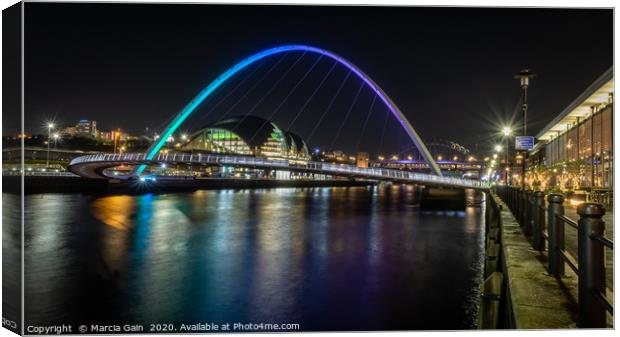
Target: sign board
[(524, 142)]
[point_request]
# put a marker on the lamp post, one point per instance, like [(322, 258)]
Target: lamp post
[(116, 136), (50, 126), (524, 78), (498, 150), (506, 131)]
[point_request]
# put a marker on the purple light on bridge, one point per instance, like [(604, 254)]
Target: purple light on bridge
[(193, 104)]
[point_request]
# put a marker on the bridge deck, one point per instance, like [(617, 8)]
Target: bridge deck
[(92, 166)]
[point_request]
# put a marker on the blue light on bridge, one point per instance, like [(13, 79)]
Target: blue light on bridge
[(193, 104)]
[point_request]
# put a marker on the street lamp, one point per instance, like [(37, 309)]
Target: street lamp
[(56, 136), (524, 77), (506, 131), (498, 148), (50, 126), (116, 136)]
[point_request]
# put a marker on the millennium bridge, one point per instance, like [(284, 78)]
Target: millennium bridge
[(94, 166)]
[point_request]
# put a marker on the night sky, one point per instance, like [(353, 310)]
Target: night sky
[(450, 70)]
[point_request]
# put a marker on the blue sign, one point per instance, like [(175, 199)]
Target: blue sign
[(524, 142)]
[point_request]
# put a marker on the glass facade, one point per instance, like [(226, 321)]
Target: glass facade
[(275, 143), (275, 146), (219, 141), (582, 155)]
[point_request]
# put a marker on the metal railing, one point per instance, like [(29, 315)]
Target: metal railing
[(320, 167), (546, 225)]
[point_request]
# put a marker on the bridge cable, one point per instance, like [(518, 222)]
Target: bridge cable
[(166, 122), (359, 139), (311, 96), (382, 133), (233, 89), (275, 84), (346, 116), (253, 87), (275, 111), (329, 106)]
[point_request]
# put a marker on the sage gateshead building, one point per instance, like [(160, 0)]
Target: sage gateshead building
[(575, 150), (250, 136)]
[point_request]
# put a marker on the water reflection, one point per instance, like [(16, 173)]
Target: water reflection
[(328, 258)]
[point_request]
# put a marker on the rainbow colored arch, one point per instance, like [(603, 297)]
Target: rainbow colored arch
[(194, 103)]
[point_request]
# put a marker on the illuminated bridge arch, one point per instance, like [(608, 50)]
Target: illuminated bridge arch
[(194, 103)]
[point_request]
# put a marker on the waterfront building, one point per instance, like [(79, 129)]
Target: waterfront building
[(575, 150), (248, 135), (362, 159), (86, 127)]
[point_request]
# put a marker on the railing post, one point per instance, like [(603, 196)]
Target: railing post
[(523, 215), (527, 225), (591, 265), (538, 242), (515, 199), (520, 210), (556, 234)]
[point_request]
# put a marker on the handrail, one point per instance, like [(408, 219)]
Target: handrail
[(567, 221), (605, 241), (592, 303), (603, 301)]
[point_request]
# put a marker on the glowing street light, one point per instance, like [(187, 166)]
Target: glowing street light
[(117, 134), (506, 131), (50, 126), (498, 148), (184, 137), (56, 137)]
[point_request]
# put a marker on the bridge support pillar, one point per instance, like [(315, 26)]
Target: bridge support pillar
[(443, 198)]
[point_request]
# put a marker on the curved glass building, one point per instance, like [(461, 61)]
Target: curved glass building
[(248, 135)]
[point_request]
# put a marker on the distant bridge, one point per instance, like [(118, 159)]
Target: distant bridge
[(93, 166)]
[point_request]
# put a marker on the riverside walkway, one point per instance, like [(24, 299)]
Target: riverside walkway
[(576, 244)]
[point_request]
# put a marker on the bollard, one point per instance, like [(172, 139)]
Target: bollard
[(556, 234), (527, 223), (591, 265), (538, 241)]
